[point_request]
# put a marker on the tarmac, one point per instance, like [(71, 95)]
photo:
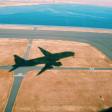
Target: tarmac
[(97, 40)]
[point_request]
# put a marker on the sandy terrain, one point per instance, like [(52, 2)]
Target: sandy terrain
[(9, 48), (6, 80), (85, 54), (60, 90), (65, 91), (54, 28)]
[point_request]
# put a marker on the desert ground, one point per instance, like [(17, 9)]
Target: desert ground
[(6, 80), (57, 90), (7, 49)]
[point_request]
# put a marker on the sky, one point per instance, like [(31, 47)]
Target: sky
[(91, 2)]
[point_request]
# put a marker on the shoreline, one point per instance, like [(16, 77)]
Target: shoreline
[(54, 28)]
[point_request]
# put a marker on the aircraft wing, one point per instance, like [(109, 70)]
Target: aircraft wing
[(45, 52), (46, 67)]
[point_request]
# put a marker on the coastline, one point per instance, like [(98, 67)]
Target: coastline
[(54, 28)]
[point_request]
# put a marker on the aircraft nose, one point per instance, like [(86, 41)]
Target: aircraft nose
[(73, 54)]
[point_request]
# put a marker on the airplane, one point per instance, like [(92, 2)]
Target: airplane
[(49, 59)]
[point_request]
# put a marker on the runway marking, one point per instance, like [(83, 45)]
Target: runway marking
[(19, 75)]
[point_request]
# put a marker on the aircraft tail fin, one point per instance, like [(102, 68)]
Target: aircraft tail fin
[(18, 59), (18, 62)]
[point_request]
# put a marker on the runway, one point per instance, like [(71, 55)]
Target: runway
[(103, 42)]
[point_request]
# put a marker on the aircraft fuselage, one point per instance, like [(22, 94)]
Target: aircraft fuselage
[(47, 59)]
